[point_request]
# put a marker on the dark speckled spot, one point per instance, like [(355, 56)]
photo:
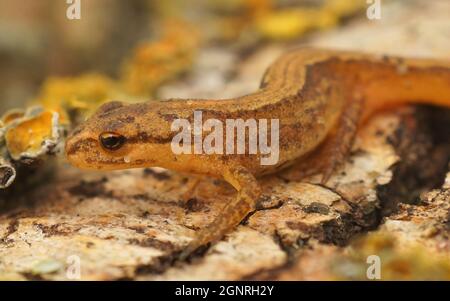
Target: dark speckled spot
[(108, 107)]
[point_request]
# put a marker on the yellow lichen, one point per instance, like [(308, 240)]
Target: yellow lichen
[(154, 63), (398, 260), (78, 95), (31, 136), (287, 24), (294, 22), (12, 115)]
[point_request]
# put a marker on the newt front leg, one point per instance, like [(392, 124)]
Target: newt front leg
[(248, 192)]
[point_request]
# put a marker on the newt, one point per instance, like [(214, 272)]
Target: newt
[(320, 97)]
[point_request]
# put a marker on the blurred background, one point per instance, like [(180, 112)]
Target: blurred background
[(142, 43)]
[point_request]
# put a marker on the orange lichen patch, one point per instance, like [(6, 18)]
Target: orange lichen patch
[(287, 24), (32, 136), (78, 95), (154, 63), (12, 115), (233, 18), (343, 7), (293, 22), (251, 20)]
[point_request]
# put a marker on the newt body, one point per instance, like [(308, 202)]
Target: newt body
[(320, 97)]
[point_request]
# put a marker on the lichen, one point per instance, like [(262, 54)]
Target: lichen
[(26, 137), (154, 63), (399, 260)]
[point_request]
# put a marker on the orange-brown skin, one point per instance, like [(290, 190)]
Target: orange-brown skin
[(319, 96)]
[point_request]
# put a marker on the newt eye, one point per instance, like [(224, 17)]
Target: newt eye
[(112, 141)]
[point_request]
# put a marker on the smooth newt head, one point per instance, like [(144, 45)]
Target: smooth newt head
[(119, 136)]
